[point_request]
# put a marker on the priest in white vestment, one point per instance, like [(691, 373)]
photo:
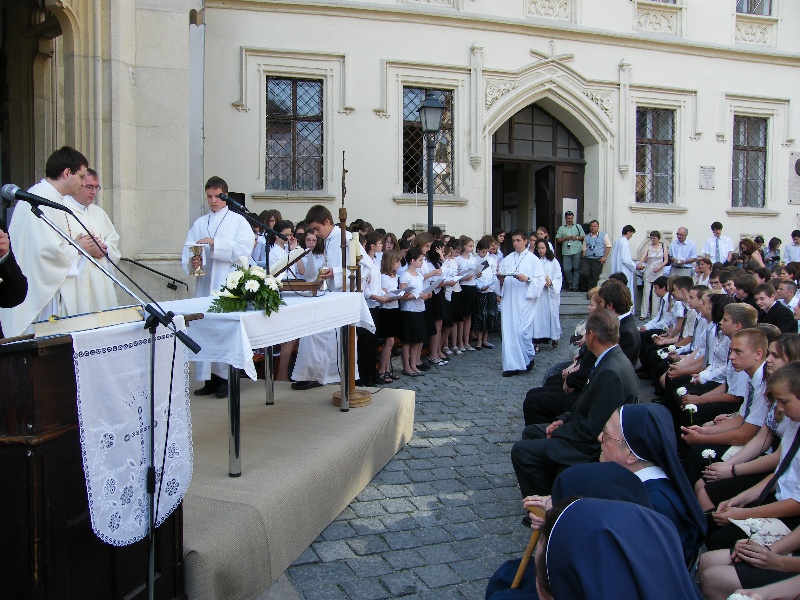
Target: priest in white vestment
[(318, 355), (546, 321), (621, 259), (95, 290), (521, 289), (229, 237), (47, 260)]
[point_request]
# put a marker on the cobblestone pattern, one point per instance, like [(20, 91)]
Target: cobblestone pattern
[(444, 513)]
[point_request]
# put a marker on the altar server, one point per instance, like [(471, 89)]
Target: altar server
[(546, 321), (621, 259), (229, 237), (50, 263), (318, 355), (522, 285)]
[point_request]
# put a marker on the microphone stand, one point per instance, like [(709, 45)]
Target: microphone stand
[(157, 315)]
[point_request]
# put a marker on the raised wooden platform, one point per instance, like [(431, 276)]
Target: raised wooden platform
[(303, 462)]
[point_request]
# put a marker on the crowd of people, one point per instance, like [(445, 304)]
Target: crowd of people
[(701, 485)]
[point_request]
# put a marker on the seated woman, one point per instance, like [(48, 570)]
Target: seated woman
[(750, 566), (604, 549), (759, 500)]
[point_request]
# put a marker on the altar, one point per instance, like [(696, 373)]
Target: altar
[(231, 338)]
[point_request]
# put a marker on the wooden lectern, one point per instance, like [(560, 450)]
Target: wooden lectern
[(47, 546)]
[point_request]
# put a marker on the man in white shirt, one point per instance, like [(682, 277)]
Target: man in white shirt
[(792, 251), (682, 254), (229, 237), (95, 290), (718, 248), (47, 260)]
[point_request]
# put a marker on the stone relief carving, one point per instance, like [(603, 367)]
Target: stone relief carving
[(603, 101), (751, 33), (654, 20), (442, 2), (551, 9), (497, 90)]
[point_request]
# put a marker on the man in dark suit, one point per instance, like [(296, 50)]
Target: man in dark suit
[(543, 450), (772, 311), (13, 284), (616, 297)]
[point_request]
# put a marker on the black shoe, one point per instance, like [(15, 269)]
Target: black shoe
[(210, 387), (423, 367), (305, 385), (511, 373), (222, 391), (530, 365)]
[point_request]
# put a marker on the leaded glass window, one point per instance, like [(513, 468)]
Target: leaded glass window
[(754, 7), (655, 155), (415, 153), (294, 134), (749, 162)]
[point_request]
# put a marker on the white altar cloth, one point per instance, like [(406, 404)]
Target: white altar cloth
[(231, 337)]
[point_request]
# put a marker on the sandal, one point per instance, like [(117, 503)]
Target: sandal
[(385, 378), (394, 375), (409, 373)]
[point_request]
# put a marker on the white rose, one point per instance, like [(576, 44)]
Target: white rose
[(681, 391), (672, 348), (662, 354), (709, 454), (244, 261), (233, 279), (258, 272), (692, 408), (251, 285)]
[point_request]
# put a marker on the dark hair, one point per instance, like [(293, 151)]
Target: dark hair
[(481, 245), (318, 214), (390, 236), (763, 273), (433, 255), (319, 245), (683, 282), (716, 225), (705, 261), (614, 293), (770, 331), (549, 254), (787, 377), (92, 173), (65, 157), (281, 225), (654, 233), (520, 232), (788, 346), (371, 240), (603, 325), (747, 246), (743, 314), (792, 285), (619, 276), (747, 283), (796, 233), (662, 281), (725, 276), (217, 182), (766, 288), (774, 241), (627, 229), (718, 304), (409, 233), (413, 254), (435, 231), (791, 269)]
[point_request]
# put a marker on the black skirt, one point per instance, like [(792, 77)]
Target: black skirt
[(469, 300), (457, 305), (389, 323), (447, 312), (414, 330), (480, 319)]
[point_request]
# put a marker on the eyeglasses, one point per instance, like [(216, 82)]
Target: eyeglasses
[(93, 188), (604, 435)]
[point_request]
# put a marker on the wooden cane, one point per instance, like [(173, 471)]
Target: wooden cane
[(526, 558)]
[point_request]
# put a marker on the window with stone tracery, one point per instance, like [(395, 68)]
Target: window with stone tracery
[(415, 154), (294, 134), (749, 180), (655, 155)]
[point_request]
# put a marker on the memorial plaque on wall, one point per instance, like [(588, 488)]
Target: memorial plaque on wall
[(707, 177)]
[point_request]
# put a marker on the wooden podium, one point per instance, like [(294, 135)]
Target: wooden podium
[(47, 546)]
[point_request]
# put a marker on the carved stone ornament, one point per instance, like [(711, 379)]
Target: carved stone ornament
[(750, 33), (497, 90), (551, 9), (441, 2), (654, 20), (603, 102)]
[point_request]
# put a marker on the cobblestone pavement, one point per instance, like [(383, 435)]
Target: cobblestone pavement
[(444, 513)]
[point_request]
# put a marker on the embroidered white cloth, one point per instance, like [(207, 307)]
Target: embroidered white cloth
[(112, 372)]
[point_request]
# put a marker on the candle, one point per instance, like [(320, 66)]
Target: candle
[(352, 251)]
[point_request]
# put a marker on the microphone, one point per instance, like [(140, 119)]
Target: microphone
[(12, 192), (234, 205)]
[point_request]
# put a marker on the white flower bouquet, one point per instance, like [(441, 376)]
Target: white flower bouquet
[(691, 409), (248, 285), (709, 454)]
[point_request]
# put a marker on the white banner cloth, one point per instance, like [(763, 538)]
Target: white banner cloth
[(112, 372), (231, 337)]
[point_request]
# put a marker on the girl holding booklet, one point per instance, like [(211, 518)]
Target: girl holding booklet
[(413, 330), (486, 299), (435, 306), (449, 268), (469, 293), (389, 320)]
